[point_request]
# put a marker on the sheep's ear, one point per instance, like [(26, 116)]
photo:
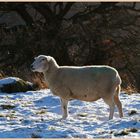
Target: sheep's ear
[(49, 58), (35, 58)]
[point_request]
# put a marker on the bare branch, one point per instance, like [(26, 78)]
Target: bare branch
[(64, 11), (20, 9), (44, 10), (134, 4)]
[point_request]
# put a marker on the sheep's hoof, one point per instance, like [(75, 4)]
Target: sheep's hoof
[(63, 118), (60, 120)]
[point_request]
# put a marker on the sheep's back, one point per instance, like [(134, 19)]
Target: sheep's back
[(84, 82), (90, 76)]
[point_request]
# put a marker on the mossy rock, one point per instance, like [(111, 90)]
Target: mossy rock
[(13, 84)]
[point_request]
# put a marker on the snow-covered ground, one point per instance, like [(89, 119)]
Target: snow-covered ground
[(38, 113)]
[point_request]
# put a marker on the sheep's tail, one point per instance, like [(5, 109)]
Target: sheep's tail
[(118, 82), (118, 89), (117, 101), (116, 85)]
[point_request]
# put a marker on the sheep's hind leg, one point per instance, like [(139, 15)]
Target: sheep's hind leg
[(118, 102), (64, 104), (111, 104)]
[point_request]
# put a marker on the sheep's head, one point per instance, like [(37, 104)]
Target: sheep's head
[(41, 63)]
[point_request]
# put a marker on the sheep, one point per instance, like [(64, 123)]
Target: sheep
[(86, 83)]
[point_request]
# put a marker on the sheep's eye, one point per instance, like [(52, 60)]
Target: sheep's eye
[(43, 59)]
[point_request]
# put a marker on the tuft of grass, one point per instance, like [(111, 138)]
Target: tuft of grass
[(26, 104), (82, 114), (111, 132), (34, 135), (13, 111), (2, 115), (132, 112), (51, 128), (122, 133), (7, 106), (42, 111), (133, 130), (126, 131), (11, 116)]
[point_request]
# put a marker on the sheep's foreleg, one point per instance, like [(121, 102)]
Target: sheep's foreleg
[(64, 104), (112, 107)]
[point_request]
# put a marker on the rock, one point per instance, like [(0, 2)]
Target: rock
[(14, 84)]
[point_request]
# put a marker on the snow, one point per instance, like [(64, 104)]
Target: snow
[(38, 113), (8, 80)]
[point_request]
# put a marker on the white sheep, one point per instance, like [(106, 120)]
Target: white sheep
[(86, 83)]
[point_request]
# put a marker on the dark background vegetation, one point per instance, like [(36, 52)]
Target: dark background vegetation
[(74, 34)]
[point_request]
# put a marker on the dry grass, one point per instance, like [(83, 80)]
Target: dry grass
[(2, 75), (38, 79), (130, 90)]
